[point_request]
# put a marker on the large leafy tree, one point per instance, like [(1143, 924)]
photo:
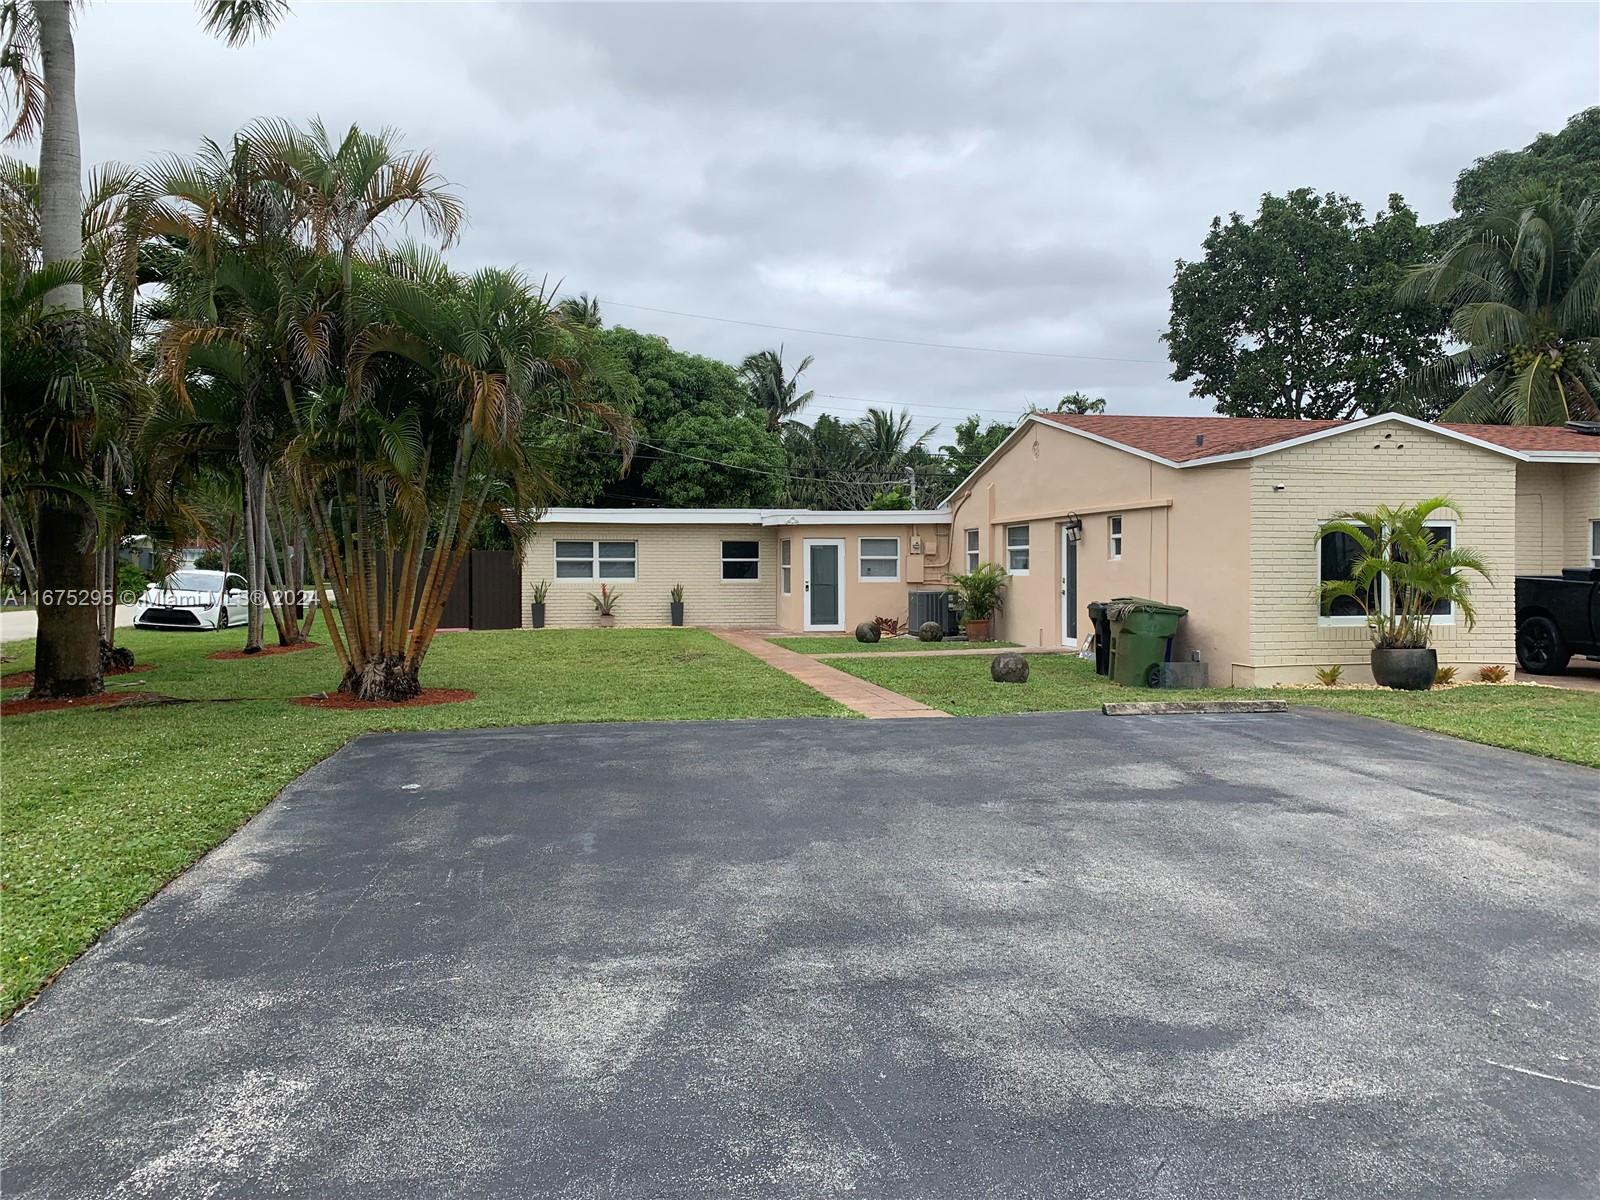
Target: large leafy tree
[(1568, 159), (1522, 284), (39, 68), (976, 439), (772, 388), (1292, 314)]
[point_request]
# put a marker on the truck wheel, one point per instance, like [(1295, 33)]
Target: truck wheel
[(1539, 647)]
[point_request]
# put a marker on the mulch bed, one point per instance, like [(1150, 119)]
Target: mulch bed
[(25, 678), (235, 655), (22, 706), (428, 696)]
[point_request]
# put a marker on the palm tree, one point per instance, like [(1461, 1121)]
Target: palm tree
[(582, 309), (1523, 289), (247, 306), (772, 390), (38, 60), (429, 436)]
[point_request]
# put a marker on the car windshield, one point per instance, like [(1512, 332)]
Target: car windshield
[(192, 581)]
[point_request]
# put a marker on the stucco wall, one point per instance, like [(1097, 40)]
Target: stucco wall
[(923, 559), (1357, 471), (1184, 538), (667, 554)]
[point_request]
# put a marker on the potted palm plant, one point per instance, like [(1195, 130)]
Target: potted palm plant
[(677, 604), (604, 602), (979, 592), (540, 591), (1400, 575)]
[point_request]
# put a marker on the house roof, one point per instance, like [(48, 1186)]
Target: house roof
[(1531, 438), (740, 516), (1183, 439), (1200, 441)]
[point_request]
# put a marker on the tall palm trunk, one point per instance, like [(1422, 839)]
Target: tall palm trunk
[(67, 661)]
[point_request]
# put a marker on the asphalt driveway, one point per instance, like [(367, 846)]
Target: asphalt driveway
[(1061, 955)]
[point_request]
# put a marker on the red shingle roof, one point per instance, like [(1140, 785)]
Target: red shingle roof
[(1180, 439), (1531, 437), (1184, 439)]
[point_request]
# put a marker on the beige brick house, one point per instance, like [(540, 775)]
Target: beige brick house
[(1217, 514), (1220, 515)]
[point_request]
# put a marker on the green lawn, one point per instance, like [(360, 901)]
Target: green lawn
[(99, 808), (849, 645), (1540, 720)]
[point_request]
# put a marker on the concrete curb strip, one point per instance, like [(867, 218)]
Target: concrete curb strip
[(1165, 707)]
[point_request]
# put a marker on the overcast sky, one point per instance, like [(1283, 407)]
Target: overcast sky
[(1013, 177)]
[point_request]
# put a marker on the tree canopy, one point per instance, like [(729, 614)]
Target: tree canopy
[(1568, 159), (1293, 313)]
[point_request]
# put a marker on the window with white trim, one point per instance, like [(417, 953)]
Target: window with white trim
[(597, 560), (1442, 531), (1017, 549), (879, 559), (1338, 553), (1114, 536), (972, 550), (741, 561), (785, 567)]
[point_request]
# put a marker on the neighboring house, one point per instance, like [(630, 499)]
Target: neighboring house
[(1218, 514), (752, 568)]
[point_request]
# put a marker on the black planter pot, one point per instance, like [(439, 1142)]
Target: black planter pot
[(538, 616), (677, 613), (1408, 670)]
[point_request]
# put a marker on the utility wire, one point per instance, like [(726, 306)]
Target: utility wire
[(862, 337)]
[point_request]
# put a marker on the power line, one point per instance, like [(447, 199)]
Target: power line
[(862, 337)]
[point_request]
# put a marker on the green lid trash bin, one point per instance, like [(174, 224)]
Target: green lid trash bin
[(1141, 638)]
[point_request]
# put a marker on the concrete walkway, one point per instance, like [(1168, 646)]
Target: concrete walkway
[(868, 699), (1582, 676), (986, 651)]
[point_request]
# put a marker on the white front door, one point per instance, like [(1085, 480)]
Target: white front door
[(824, 583), (1069, 590)]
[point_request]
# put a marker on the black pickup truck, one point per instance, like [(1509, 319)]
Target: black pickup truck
[(1557, 616)]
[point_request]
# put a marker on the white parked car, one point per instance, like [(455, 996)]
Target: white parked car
[(191, 599)]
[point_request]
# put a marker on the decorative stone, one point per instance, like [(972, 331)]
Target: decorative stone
[(868, 632), (1009, 667), (930, 631)]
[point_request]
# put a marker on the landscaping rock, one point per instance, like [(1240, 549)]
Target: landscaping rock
[(1008, 668), (868, 632), (930, 631)]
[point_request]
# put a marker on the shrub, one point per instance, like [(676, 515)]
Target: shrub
[(888, 625), (1444, 677), (1329, 676), (980, 592), (1401, 571), (1493, 673), (606, 600), (540, 591), (677, 593)]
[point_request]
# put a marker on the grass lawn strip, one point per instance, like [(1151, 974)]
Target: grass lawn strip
[(100, 807), (1553, 722), (899, 645)]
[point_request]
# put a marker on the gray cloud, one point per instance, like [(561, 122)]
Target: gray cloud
[(1010, 176)]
